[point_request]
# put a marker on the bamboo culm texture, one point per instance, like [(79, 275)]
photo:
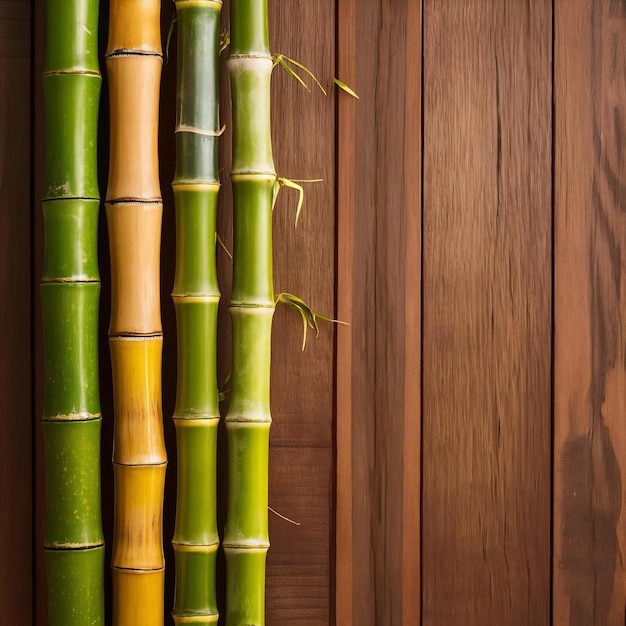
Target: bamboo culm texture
[(134, 212), (196, 298), (248, 420), (70, 292)]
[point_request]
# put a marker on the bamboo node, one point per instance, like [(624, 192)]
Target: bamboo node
[(194, 185), (115, 54), (73, 417), (268, 177), (217, 3), (72, 72), (246, 548), (204, 548), (185, 128), (193, 298), (261, 419), (133, 201), (93, 545)]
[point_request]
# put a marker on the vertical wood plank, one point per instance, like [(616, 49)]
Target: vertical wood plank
[(378, 415), (346, 141), (301, 461), (487, 313), (16, 408), (590, 313), (411, 437)]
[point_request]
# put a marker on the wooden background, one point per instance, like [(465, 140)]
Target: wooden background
[(454, 455)]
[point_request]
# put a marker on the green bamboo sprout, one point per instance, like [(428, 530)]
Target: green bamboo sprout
[(246, 538), (196, 297), (70, 292)]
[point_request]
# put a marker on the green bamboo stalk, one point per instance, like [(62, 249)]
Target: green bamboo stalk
[(70, 291), (253, 177), (196, 298)]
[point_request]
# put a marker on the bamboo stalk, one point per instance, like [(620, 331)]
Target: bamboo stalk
[(70, 291), (134, 212), (196, 298), (253, 177)]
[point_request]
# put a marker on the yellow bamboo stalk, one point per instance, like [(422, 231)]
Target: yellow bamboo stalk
[(134, 212)]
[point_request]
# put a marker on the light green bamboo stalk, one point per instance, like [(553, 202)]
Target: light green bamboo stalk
[(196, 298), (253, 177), (70, 291)]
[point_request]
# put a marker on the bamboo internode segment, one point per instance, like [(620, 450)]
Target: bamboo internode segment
[(253, 180), (134, 102), (134, 213), (70, 292), (196, 298), (134, 242), (138, 596), (136, 364), (137, 530), (134, 28)]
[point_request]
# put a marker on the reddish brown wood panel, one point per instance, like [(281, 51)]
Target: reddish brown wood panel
[(590, 313), (378, 440), (487, 313), (16, 408)]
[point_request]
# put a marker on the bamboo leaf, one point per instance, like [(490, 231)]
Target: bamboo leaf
[(224, 393), (345, 87), (283, 517), (284, 61), (170, 32), (293, 184), (309, 315), (224, 40), (223, 245)]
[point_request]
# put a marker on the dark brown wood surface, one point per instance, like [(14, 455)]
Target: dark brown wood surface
[(590, 313), (487, 313), (379, 294), (16, 407)]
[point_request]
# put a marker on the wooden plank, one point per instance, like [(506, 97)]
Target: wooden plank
[(590, 313), (411, 437), (487, 313), (301, 454), (16, 407), (378, 445), (346, 141)]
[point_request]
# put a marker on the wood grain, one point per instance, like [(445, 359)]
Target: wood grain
[(487, 313), (346, 140), (590, 313), (378, 372), (16, 406), (411, 437), (301, 440)]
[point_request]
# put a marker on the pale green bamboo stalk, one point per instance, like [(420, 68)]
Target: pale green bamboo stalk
[(253, 177)]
